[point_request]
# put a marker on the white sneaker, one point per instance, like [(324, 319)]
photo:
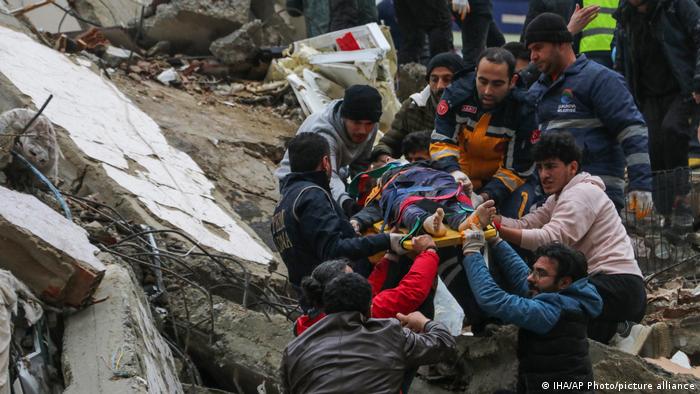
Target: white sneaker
[(633, 342)]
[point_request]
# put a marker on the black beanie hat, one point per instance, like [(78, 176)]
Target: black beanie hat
[(449, 60), (362, 102), (547, 27)]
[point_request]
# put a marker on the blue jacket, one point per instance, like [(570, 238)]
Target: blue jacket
[(539, 314), (594, 104), (675, 25)]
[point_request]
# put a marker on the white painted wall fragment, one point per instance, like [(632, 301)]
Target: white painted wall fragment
[(110, 129)]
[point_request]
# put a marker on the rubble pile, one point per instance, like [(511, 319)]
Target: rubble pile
[(148, 268)]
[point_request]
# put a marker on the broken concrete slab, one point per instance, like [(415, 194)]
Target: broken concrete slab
[(239, 49), (130, 147), (247, 346), (192, 25), (114, 347), (46, 251)]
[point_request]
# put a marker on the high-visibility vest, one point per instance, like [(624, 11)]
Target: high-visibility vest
[(598, 35)]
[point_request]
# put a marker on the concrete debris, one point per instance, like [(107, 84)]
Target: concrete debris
[(114, 57), (246, 351), (192, 25), (46, 251), (318, 70), (130, 146), (37, 143), (92, 38), (168, 77), (487, 364), (239, 49), (114, 347), (12, 293), (159, 48), (673, 367), (411, 79)]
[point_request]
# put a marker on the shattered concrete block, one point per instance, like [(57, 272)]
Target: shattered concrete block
[(114, 56), (46, 251), (240, 47), (114, 346), (192, 25), (246, 349)]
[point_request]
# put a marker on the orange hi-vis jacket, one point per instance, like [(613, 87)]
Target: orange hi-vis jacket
[(491, 147)]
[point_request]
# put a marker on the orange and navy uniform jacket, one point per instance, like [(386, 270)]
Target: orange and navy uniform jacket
[(491, 147)]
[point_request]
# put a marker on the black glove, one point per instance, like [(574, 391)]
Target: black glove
[(350, 207)]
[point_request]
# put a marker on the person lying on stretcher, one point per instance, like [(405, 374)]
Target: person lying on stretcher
[(419, 197)]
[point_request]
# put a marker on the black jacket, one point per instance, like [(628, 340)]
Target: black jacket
[(676, 25), (309, 227), (561, 355)]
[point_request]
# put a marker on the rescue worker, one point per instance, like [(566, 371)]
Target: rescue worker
[(551, 305), (484, 129), (350, 127), (659, 54), (417, 112), (596, 38), (594, 104), (308, 226)]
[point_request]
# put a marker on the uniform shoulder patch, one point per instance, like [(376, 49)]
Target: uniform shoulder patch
[(535, 136), (442, 107)]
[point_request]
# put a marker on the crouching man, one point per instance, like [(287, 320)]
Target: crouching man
[(550, 304), (309, 226), (348, 352)]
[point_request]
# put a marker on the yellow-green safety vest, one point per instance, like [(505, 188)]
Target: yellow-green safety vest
[(598, 35)]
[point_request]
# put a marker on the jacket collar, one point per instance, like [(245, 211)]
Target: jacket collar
[(421, 98), (579, 64), (318, 178)]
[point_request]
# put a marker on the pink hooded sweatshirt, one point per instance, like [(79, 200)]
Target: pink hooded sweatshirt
[(583, 217)]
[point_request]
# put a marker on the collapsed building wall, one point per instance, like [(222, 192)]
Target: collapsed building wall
[(130, 148)]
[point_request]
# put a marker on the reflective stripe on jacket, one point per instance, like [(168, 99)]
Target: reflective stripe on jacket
[(598, 34), (492, 147), (593, 103)]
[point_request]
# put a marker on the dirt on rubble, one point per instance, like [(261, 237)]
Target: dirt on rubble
[(238, 146)]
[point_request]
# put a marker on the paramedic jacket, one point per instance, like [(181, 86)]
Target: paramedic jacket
[(594, 104), (309, 227), (491, 147)]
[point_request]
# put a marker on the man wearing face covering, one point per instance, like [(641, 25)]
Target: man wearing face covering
[(309, 226), (417, 113)]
